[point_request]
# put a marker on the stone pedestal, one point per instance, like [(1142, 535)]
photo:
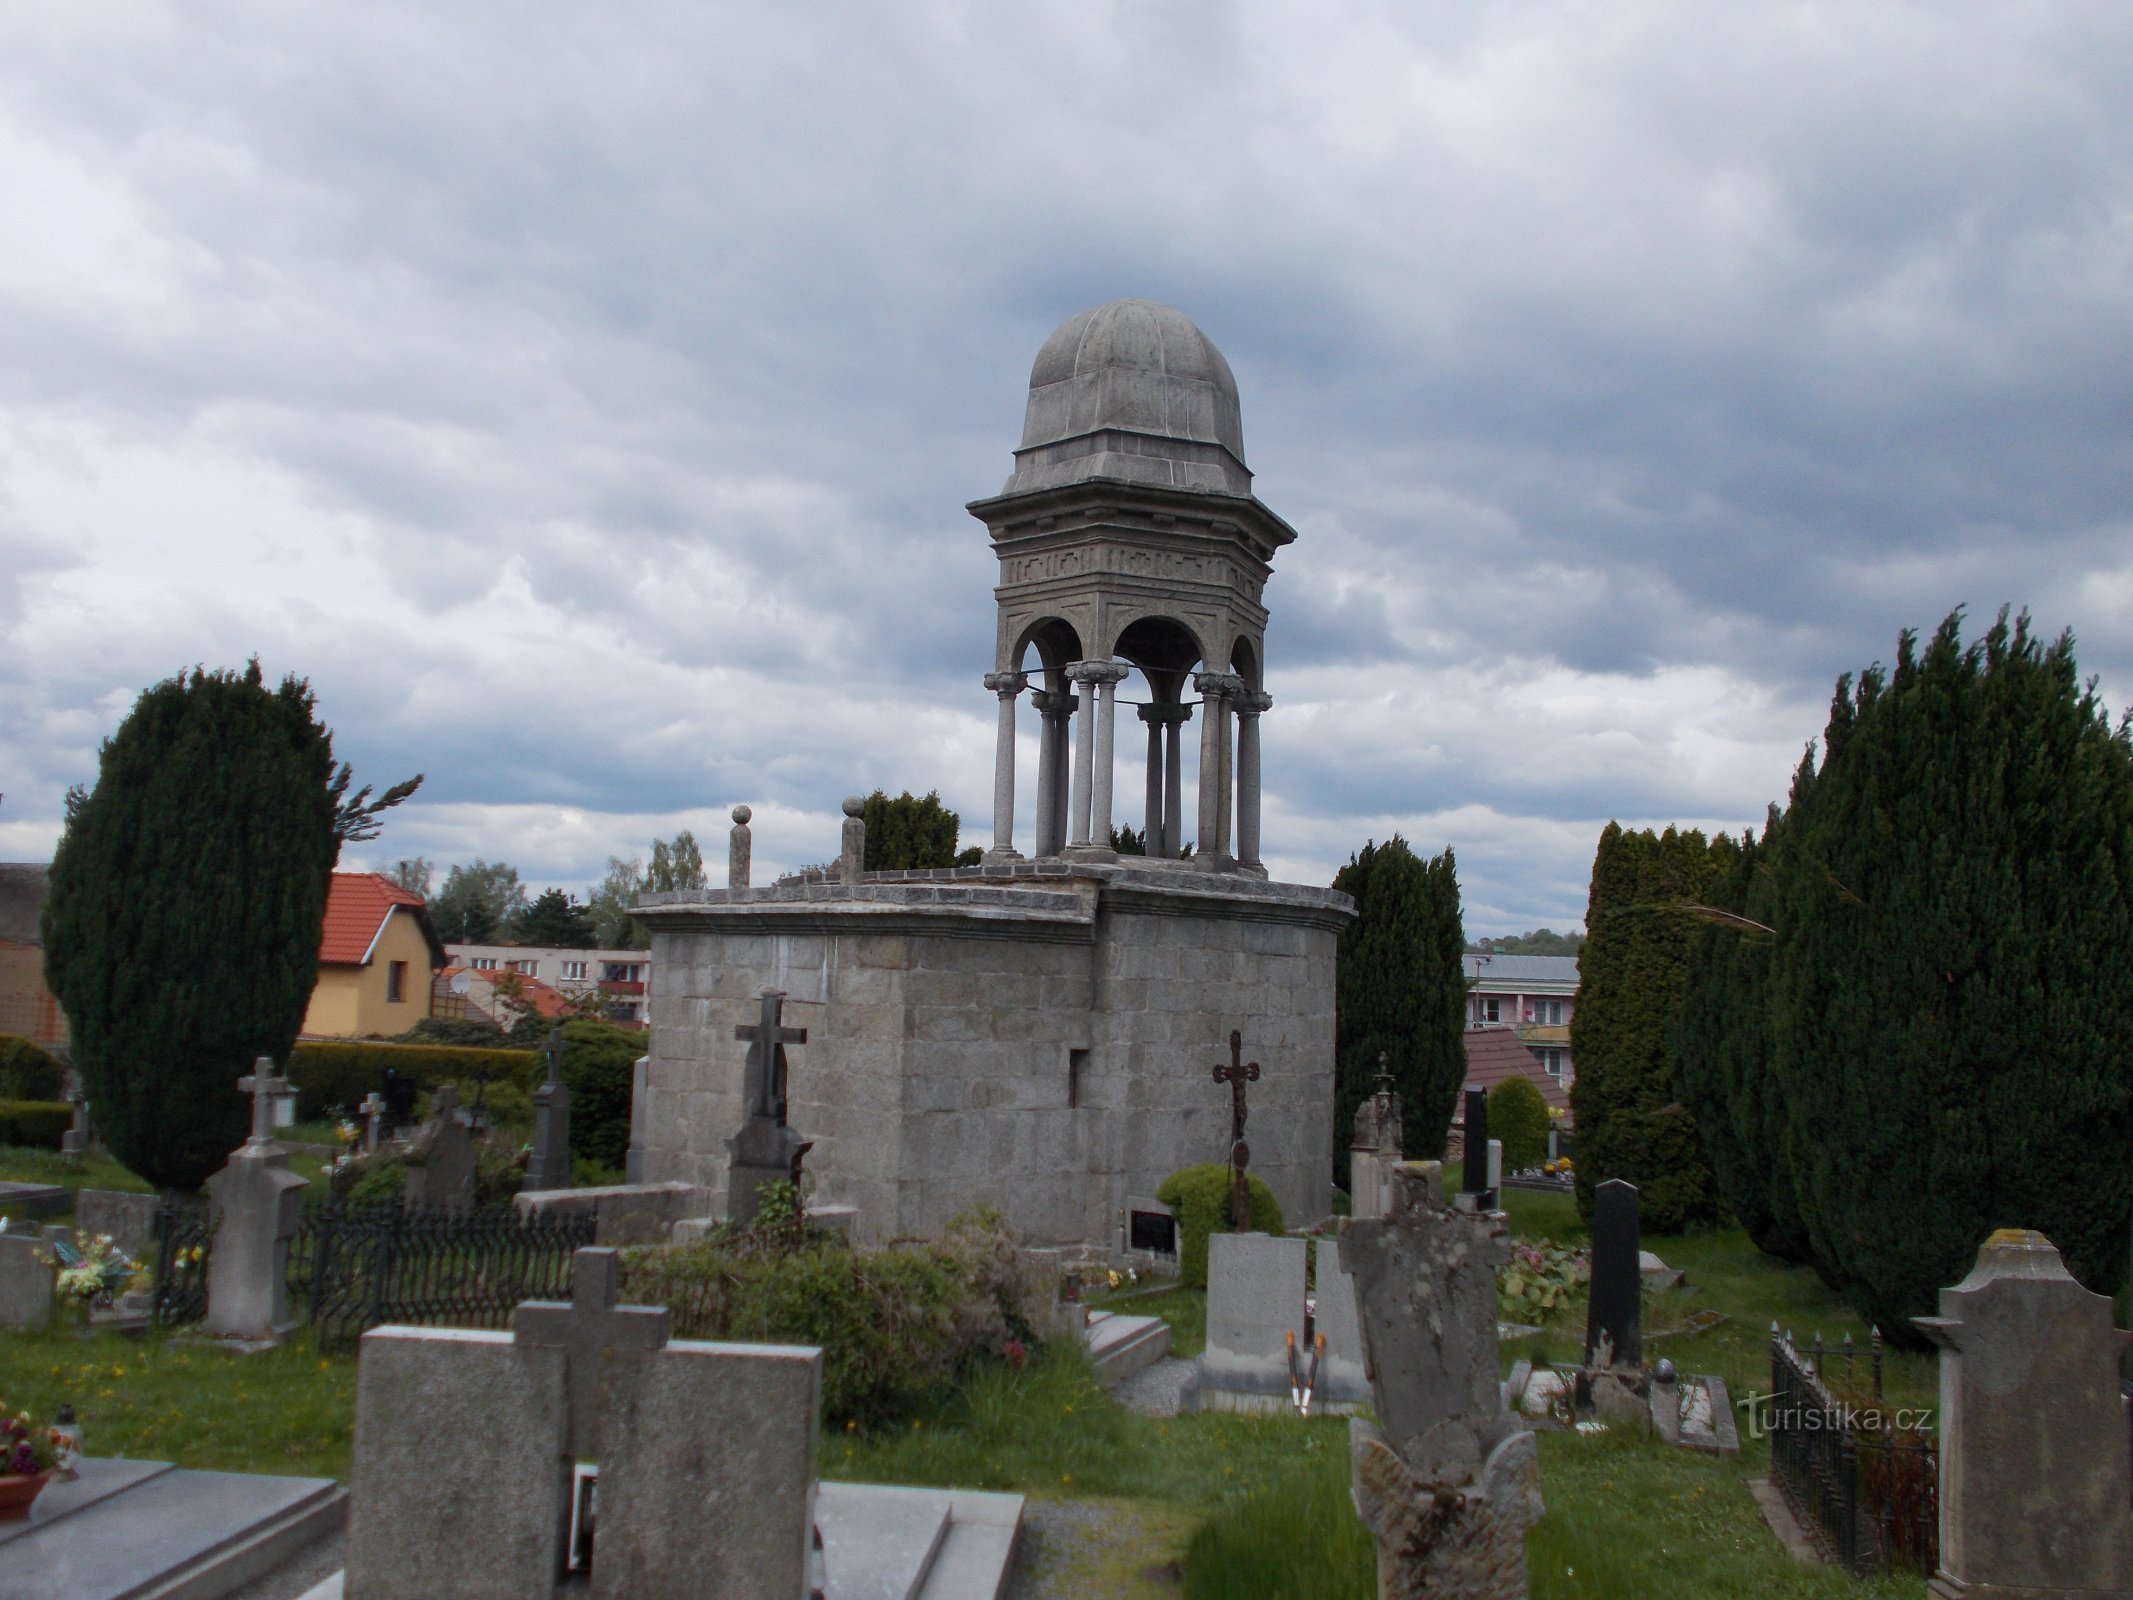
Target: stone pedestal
[(2036, 1473), (258, 1203)]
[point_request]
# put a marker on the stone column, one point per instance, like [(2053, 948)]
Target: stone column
[(1084, 673), (1102, 678), (1250, 706), (1217, 690), (1054, 706), (1008, 686), (739, 849), (1174, 782), (852, 859), (1152, 842)]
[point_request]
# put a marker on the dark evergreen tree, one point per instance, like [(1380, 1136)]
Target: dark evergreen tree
[(907, 832), (187, 892), (1400, 991), (1952, 979), (1631, 1119), (555, 920)]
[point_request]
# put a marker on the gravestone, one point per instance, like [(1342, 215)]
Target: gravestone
[(1375, 1149), (766, 1150), (399, 1099), (549, 1165), (372, 1111), (1448, 1481), (440, 1159), (706, 1457), (26, 1278), (128, 1220), (75, 1141), (1342, 1382), (1614, 1333), (640, 1102), (257, 1204), (2036, 1474), (1474, 1157), (1255, 1297)]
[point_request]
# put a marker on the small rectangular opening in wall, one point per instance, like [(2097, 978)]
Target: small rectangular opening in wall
[(1077, 1064), (1153, 1231)]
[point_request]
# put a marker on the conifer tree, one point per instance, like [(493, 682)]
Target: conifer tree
[(1400, 991), (909, 832), (1952, 979), (1631, 1119), (182, 929)]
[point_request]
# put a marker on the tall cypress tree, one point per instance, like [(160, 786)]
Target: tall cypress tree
[(182, 929), (1952, 981), (1632, 1121), (1400, 991)]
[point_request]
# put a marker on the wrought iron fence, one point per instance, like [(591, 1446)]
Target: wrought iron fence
[(1867, 1492), (353, 1267), (182, 1238)]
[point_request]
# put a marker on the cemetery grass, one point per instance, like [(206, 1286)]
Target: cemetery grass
[(22, 1164)]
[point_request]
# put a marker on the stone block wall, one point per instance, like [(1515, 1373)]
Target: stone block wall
[(1038, 1040)]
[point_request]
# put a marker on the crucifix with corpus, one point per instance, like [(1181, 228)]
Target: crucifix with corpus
[(1237, 1074), (766, 1150)]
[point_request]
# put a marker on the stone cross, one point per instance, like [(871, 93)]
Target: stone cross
[(373, 1110), (549, 1165), (265, 1086), (585, 1325), (764, 1086), (75, 1141), (765, 1150), (1237, 1074)]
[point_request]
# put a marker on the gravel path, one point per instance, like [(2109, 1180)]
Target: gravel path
[(1158, 1390)]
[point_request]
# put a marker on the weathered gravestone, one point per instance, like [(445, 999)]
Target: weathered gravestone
[(1255, 1296), (2036, 1473), (440, 1159), (1343, 1384), (372, 1111), (1448, 1482), (549, 1165), (257, 1204), (75, 1141), (1375, 1149), (27, 1276), (766, 1150), (465, 1447)]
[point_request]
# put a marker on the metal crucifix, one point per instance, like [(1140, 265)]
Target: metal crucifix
[(1237, 1074)]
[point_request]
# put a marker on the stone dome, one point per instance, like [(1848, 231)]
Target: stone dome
[(1133, 391)]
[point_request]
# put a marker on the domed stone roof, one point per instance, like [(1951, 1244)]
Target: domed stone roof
[(1131, 390)]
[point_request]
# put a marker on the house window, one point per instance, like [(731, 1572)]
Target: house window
[(1487, 1008), (525, 969), (483, 963), (573, 969), (1552, 1062), (395, 982), (1549, 1012)]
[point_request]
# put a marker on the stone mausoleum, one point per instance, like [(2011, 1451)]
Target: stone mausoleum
[(1038, 1032)]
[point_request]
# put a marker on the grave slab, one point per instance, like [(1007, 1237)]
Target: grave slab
[(98, 1479), (35, 1200)]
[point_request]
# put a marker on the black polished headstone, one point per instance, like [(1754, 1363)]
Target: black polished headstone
[(1615, 1314), (1476, 1160)]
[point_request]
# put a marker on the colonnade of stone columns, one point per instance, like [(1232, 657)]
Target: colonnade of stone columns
[(1075, 813)]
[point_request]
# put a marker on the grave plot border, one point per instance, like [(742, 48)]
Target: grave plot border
[(1869, 1498)]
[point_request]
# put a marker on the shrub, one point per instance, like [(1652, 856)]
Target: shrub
[(331, 1077), (28, 1072), (1519, 1117), (37, 1124), (895, 1327), (474, 1032), (1200, 1197), (598, 1063)]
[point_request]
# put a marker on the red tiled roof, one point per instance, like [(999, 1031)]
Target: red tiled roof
[(1494, 1054), (357, 904)]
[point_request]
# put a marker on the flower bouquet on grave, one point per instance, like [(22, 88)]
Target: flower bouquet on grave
[(28, 1456), (92, 1275)]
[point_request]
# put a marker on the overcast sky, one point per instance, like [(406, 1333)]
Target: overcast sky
[(585, 399)]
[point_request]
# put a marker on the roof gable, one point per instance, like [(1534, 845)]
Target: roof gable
[(358, 905)]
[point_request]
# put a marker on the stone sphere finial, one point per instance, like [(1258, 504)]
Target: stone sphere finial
[(855, 805), (741, 814)]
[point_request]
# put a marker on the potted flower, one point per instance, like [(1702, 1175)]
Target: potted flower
[(28, 1457)]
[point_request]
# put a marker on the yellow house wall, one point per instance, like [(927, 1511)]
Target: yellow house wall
[(27, 1008), (350, 1001)]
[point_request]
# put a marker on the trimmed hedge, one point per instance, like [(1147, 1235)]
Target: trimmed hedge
[(333, 1076), (29, 1072), (37, 1124), (1200, 1197), (1518, 1116)]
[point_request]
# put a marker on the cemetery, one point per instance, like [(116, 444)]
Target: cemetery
[(974, 1231)]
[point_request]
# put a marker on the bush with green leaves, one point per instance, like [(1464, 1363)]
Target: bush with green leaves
[(896, 1327), (35, 1124), (332, 1077), (599, 1062), (1541, 1281), (1518, 1116), (30, 1072), (1200, 1198)]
